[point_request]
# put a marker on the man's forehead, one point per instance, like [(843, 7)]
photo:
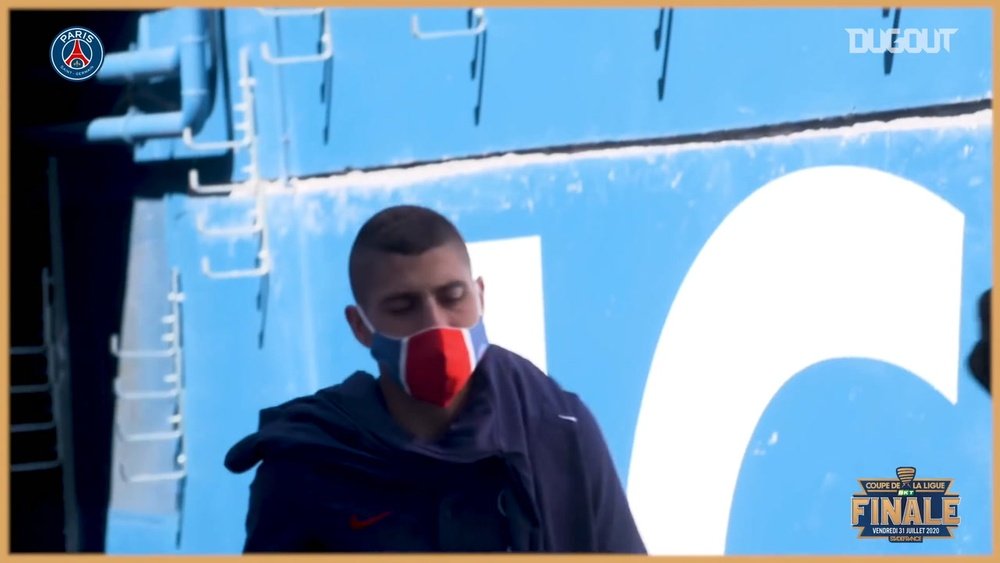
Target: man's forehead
[(392, 273)]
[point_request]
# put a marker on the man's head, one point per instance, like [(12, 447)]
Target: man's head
[(410, 270)]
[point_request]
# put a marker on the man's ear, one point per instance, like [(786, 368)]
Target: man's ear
[(361, 332), (482, 293)]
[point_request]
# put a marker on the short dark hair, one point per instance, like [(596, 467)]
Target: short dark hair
[(409, 230)]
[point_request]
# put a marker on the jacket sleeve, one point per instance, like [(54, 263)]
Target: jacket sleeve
[(613, 523), (275, 521)]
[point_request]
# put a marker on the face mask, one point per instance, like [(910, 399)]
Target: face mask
[(432, 365)]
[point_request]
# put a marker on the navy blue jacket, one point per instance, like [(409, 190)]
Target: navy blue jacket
[(523, 467)]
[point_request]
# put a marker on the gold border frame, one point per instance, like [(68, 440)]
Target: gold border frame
[(5, 148)]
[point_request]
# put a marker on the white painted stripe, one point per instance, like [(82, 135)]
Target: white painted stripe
[(393, 178), (824, 263)]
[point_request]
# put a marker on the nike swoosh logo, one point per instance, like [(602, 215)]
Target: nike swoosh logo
[(357, 524)]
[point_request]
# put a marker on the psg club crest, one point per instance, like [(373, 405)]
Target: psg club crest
[(77, 54)]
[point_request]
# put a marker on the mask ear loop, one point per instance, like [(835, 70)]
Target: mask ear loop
[(364, 319)]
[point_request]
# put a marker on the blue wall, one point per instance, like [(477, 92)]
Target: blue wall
[(619, 231), (556, 77)]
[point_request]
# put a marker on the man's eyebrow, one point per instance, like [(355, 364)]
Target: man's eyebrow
[(403, 295), (398, 296), (450, 285)]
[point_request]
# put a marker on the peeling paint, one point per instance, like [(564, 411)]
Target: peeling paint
[(392, 179)]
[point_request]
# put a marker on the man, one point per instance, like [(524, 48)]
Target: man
[(979, 359), (457, 446)]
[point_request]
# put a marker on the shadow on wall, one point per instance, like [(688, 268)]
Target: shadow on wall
[(97, 185)]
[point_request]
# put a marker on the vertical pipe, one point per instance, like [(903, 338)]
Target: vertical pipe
[(60, 374)]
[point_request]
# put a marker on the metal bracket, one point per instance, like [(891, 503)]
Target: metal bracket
[(248, 141), (262, 269), (32, 426), (245, 126), (147, 394), (154, 477), (172, 337), (188, 136), (326, 38), (36, 465), (259, 224), (143, 354), (215, 189), (175, 297), (252, 229), (478, 16), (154, 436), (47, 387), (28, 389)]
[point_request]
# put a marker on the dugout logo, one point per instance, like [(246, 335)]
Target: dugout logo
[(905, 509), (77, 54)]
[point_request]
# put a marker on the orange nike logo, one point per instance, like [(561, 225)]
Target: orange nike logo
[(357, 524)]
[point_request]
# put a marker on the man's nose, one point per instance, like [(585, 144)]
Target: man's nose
[(435, 315)]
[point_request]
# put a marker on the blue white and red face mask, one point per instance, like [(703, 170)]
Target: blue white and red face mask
[(434, 364)]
